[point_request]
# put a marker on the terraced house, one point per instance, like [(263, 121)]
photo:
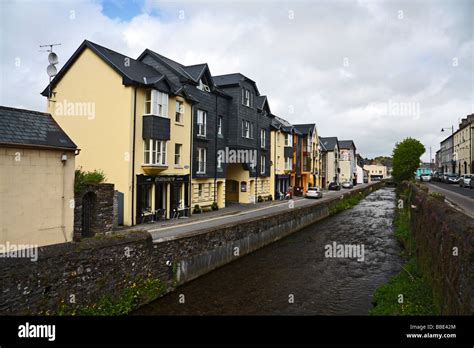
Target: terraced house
[(309, 155), (131, 122), (169, 136), (281, 139)]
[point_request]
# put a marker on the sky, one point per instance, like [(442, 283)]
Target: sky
[(375, 72)]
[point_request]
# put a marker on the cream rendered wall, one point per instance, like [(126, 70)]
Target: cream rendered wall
[(462, 149), (330, 167), (180, 133), (32, 186), (277, 145), (105, 136)]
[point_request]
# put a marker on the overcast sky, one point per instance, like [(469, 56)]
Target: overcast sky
[(375, 72)]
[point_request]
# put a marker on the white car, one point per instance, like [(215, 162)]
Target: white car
[(347, 185), (314, 192), (425, 177), (465, 180)]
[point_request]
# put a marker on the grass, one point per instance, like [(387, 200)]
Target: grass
[(346, 203), (141, 290), (408, 292)]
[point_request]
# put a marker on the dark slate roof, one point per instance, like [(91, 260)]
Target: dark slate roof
[(282, 124), (136, 73), (195, 71), (329, 143), (232, 80), (305, 129), (346, 144), (32, 128), (177, 67)]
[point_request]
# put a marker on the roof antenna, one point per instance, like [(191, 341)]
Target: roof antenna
[(51, 70)]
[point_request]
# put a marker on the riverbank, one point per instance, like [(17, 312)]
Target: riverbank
[(438, 240)]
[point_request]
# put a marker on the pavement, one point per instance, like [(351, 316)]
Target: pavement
[(460, 198), (234, 213)]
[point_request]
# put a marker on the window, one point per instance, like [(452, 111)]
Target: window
[(179, 111), (200, 190), (201, 123), (177, 154), (156, 103), (247, 97), (203, 87), (288, 140), (245, 129), (288, 163), (263, 135), (262, 164), (201, 160), (219, 125), (155, 152), (219, 162)]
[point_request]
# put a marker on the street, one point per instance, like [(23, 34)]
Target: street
[(191, 227), (461, 198)]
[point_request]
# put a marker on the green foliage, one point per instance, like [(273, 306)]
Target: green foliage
[(346, 203), (82, 178), (141, 290), (197, 209), (259, 199), (417, 294), (437, 195), (214, 206), (406, 159), (409, 282)]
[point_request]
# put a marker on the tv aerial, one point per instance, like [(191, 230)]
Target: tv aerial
[(53, 60)]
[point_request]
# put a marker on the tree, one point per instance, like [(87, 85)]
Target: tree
[(406, 159)]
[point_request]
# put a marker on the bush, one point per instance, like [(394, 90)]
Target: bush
[(214, 206), (197, 209), (259, 199), (82, 178), (270, 198)]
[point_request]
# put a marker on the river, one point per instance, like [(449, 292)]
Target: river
[(295, 276)]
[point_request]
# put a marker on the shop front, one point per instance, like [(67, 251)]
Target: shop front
[(162, 197)]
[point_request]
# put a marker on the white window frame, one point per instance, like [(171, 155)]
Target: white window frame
[(288, 163), (263, 138), (202, 154), (246, 129), (155, 152), (201, 123), (262, 164), (288, 140), (179, 111), (177, 154), (201, 190), (220, 121), (158, 103)]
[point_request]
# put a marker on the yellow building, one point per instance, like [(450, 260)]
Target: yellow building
[(281, 156), (130, 123), (376, 172), (36, 180), (464, 146)]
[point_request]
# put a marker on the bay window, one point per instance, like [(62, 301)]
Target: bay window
[(156, 103)]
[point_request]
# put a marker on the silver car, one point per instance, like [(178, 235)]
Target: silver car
[(314, 192), (465, 180)]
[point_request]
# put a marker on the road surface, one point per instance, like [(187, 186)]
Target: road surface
[(461, 198)]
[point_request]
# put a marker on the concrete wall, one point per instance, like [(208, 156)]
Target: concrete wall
[(99, 267), (36, 196), (438, 229)]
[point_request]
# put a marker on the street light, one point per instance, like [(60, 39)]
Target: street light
[(452, 129)]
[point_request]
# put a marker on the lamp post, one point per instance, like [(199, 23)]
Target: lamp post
[(452, 129)]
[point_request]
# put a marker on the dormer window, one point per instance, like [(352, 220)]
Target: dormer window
[(202, 86), (156, 103), (247, 97)]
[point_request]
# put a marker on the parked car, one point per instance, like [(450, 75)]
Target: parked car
[(334, 186), (465, 180), (452, 179), (314, 192), (471, 182), (347, 185), (425, 177)]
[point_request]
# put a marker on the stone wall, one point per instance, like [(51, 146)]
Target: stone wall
[(445, 250), (105, 266), (103, 211)]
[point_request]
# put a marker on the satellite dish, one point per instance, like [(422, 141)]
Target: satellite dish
[(53, 58), (51, 70)]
